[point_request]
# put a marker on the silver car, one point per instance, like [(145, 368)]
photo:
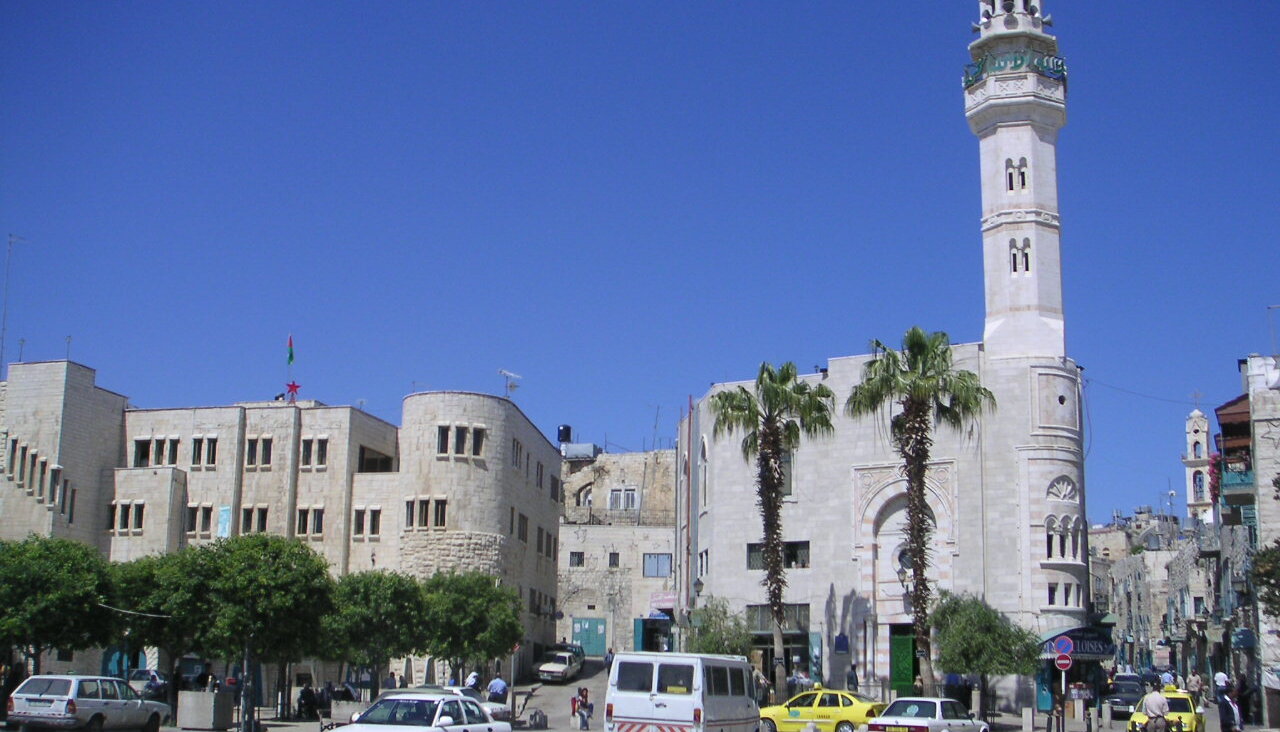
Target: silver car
[(926, 714), (94, 703), (427, 711)]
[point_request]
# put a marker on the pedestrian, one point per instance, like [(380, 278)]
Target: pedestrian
[(307, 707), (1194, 686), (581, 708), (1220, 681), (1166, 679), (762, 686), (608, 659), (473, 680), (404, 681), (391, 681), (851, 678), (1229, 717), (498, 689), (1156, 707)]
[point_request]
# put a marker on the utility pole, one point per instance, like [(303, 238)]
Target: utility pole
[(4, 312)]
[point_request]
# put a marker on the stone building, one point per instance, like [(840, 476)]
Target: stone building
[(1006, 495), (466, 482), (617, 587)]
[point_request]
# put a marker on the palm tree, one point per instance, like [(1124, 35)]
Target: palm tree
[(921, 383), (772, 419)]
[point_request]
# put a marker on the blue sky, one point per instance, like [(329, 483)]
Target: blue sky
[(622, 202)]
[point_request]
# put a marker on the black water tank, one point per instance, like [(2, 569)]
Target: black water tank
[(564, 433)]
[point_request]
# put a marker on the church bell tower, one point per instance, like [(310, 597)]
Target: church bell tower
[(1015, 101)]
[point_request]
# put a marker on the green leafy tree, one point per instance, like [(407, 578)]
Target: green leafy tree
[(717, 629), (52, 593), (162, 603), (377, 616), (920, 389), (1266, 578), (772, 418), (267, 597), (470, 617), (975, 638)]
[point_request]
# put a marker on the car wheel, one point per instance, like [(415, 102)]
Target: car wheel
[(153, 724), (94, 725), (767, 725), (844, 727)]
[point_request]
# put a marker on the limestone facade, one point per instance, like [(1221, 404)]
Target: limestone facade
[(466, 483)]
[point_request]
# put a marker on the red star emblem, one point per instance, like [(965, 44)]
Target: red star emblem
[(293, 387)]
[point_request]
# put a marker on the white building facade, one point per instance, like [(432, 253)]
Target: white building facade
[(1007, 494)]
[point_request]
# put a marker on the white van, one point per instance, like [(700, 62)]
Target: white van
[(680, 692)]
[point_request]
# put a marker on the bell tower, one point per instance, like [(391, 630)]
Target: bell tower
[(1015, 101)]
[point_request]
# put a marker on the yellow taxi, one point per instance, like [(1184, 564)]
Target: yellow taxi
[(1183, 714), (831, 710)]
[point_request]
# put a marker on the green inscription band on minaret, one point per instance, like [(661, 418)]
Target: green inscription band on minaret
[(1054, 67)]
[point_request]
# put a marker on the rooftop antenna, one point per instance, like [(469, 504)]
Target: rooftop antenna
[(4, 313), (509, 385)]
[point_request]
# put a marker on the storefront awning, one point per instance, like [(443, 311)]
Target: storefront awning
[(1088, 643)]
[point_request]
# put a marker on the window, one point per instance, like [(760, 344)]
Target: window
[(512, 528), (262, 519), (657, 565), (317, 521), (460, 440), (538, 481), (704, 561), (111, 517), (266, 451), (441, 513), (193, 518), (614, 560), (1197, 481), (523, 532), (517, 453), (141, 454), (795, 555), (173, 452), (71, 510), (1197, 450), (786, 460), (315, 452), (305, 459), (304, 521), (375, 522), (251, 453), (635, 676), (357, 523), (675, 678), (577, 559), (424, 512), (322, 452), (124, 517), (206, 519), (246, 520), (197, 451), (210, 451), (408, 514), (138, 509), (555, 489), (477, 441), (1053, 593), (541, 534)]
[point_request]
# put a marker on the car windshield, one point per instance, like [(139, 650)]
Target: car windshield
[(1178, 704), (37, 686), (414, 712), (1125, 688), (471, 693), (561, 658), (912, 708)]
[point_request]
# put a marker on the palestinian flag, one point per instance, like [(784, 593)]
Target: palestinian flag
[(290, 349)]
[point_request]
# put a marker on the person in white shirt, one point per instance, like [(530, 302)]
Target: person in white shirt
[(1156, 707), (1220, 681)]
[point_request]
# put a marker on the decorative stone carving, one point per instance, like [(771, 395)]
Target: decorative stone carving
[(1020, 216), (1063, 488)]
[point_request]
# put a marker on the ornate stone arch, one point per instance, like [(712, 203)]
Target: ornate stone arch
[(875, 487), (1063, 488)]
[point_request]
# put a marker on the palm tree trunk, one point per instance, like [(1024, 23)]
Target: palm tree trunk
[(779, 665), (914, 442), (769, 496)]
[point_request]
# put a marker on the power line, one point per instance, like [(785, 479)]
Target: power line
[(134, 612), (1140, 394)]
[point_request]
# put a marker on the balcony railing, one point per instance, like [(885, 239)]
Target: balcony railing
[(1237, 487)]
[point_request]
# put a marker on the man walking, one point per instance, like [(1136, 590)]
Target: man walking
[(1220, 680), (1156, 707), (1229, 717), (498, 689), (1194, 686)]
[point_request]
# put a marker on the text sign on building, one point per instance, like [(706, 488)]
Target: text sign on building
[(1054, 67)]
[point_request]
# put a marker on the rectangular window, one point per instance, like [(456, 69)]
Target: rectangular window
[(460, 441), (124, 516), (442, 440), (375, 522), (251, 453), (246, 520), (541, 534), (629, 499), (357, 523), (159, 453), (193, 517), (210, 451), (317, 521), (657, 565), (322, 452), (795, 616), (266, 451), (523, 533), (424, 512), (305, 459), (786, 461), (441, 512), (111, 517), (555, 488), (512, 528), (795, 555), (539, 478), (577, 559), (551, 545), (173, 452), (71, 510), (206, 519), (614, 560), (408, 514), (138, 509), (141, 454), (477, 441), (262, 519), (1053, 593), (615, 499), (197, 450), (304, 521)]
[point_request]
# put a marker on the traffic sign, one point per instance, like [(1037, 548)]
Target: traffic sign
[(1064, 644), (1063, 662)]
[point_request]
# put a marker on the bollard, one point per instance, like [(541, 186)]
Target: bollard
[(1028, 719), (1106, 716)]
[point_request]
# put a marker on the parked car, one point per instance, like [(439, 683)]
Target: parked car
[(1184, 715), (574, 648), (93, 703), (496, 710), (559, 666), (830, 709), (926, 714), (1123, 697), (426, 710)]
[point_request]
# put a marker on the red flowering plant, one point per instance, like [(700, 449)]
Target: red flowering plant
[(1215, 475)]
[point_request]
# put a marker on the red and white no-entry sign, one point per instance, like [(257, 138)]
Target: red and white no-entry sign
[(1063, 662)]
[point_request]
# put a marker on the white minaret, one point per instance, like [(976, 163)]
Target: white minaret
[(1196, 463), (1015, 100)]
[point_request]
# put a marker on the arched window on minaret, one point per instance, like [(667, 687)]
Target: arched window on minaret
[(1075, 541), (1022, 174), (1013, 255), (1010, 175), (1197, 485), (1062, 542), (1049, 531), (1026, 255), (1196, 450)]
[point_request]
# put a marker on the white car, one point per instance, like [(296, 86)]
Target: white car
[(559, 666), (91, 703), (926, 714), (425, 710), (496, 710)]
